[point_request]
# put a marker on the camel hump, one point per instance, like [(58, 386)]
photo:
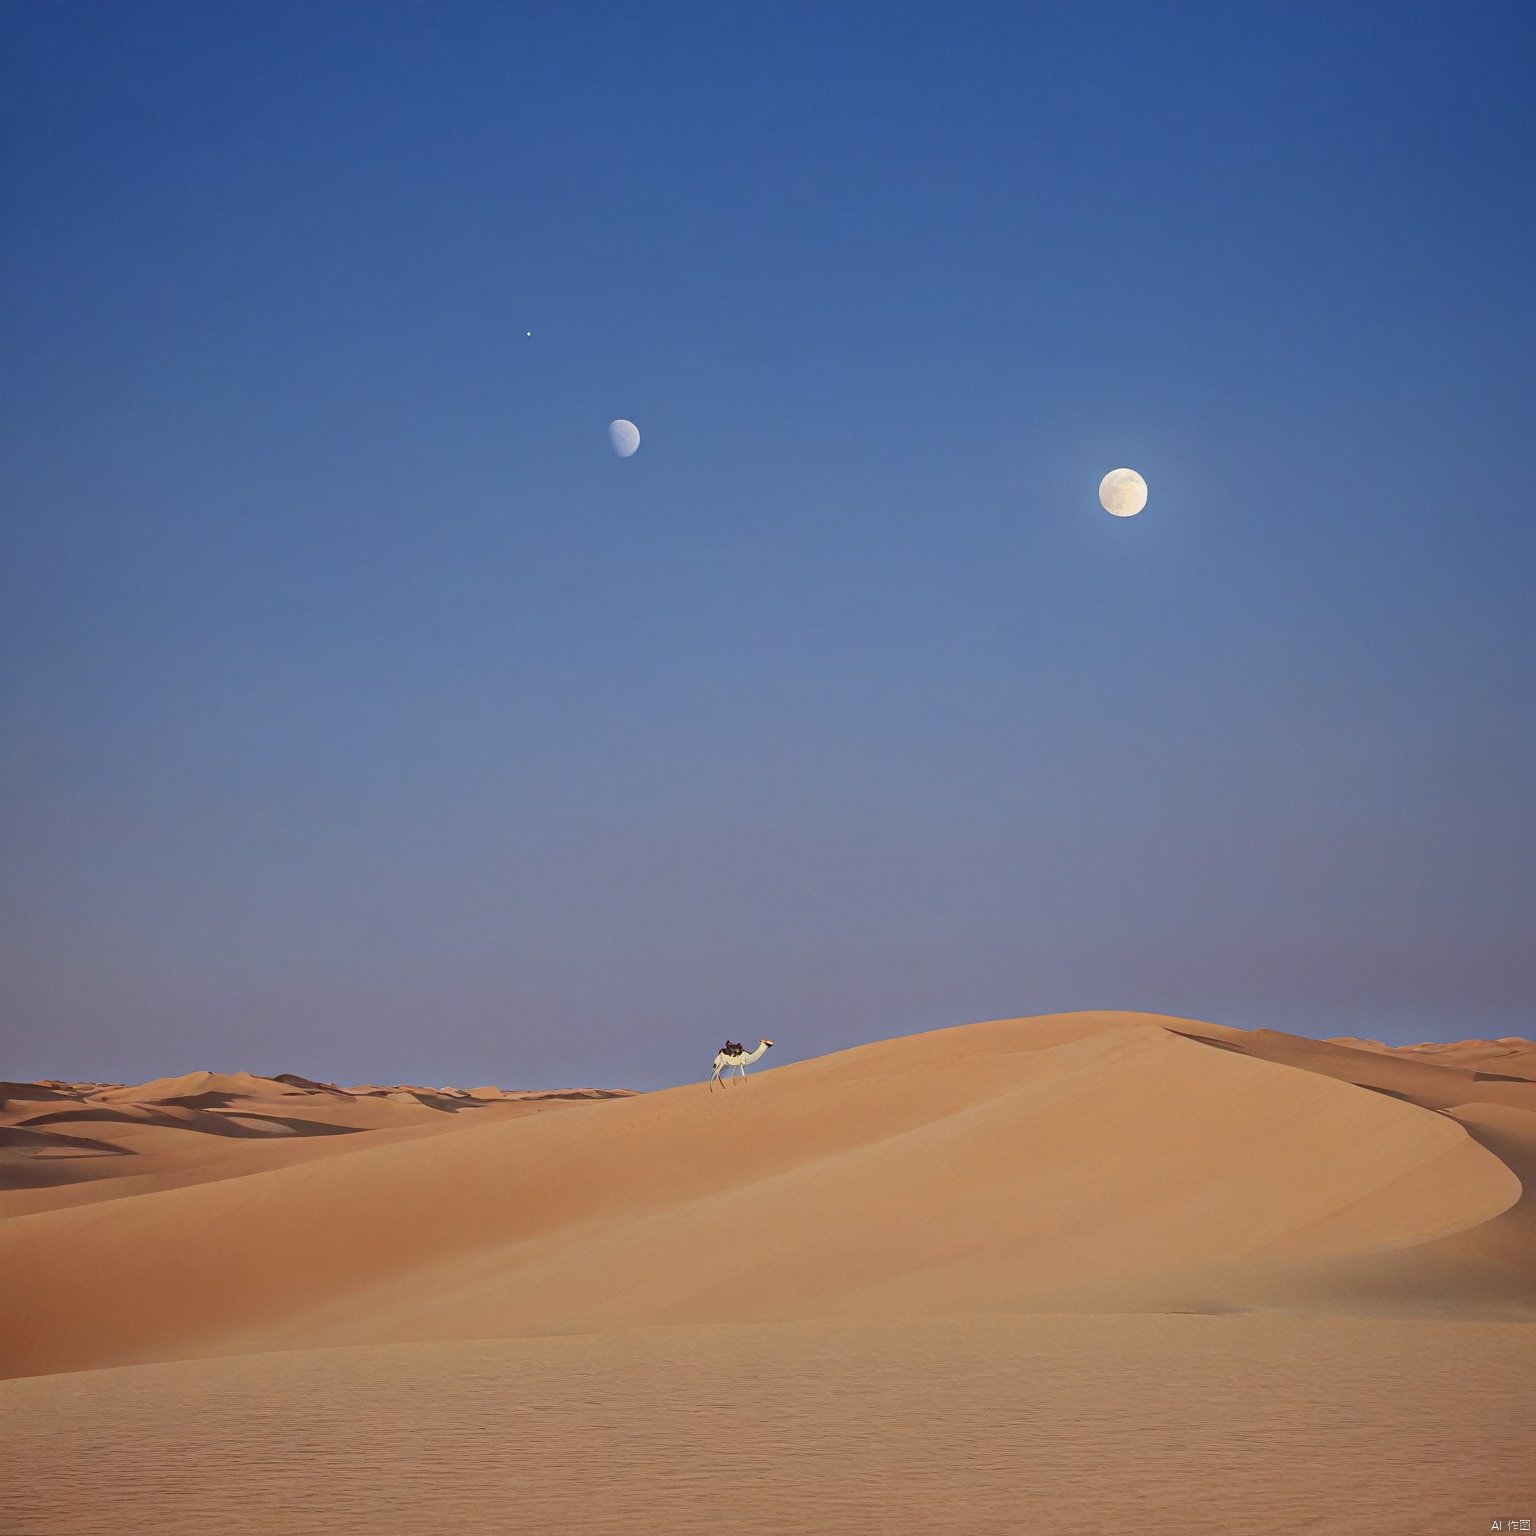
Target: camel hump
[(733, 1048)]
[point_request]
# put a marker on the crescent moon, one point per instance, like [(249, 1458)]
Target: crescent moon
[(1122, 492), (625, 437)]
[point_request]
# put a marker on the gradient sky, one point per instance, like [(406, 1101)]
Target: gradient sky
[(364, 716)]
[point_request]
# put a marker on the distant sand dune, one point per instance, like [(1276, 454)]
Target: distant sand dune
[(199, 1127)]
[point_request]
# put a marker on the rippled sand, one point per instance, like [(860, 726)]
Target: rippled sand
[(1051, 1424)]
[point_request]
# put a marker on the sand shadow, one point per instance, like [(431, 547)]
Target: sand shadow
[(35, 1093), (582, 1093), (46, 1159), (208, 1122), (17, 1138), (1392, 1093), (1219, 1045)]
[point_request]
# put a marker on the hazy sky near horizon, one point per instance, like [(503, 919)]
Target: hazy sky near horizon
[(363, 716)]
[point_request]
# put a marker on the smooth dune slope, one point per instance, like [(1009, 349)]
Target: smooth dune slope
[(1069, 1162)]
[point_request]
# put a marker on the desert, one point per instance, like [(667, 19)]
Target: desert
[(765, 770), (1029, 1274)]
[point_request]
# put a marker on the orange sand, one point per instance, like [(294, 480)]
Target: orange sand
[(1105, 1267)]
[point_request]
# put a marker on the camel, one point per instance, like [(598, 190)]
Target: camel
[(734, 1056)]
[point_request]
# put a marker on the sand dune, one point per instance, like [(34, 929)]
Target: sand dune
[(1507, 1056), (64, 1144), (1039, 1164), (1138, 1216)]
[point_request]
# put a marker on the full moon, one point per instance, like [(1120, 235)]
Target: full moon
[(625, 437), (1123, 492)]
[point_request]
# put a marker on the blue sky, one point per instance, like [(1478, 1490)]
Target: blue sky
[(362, 715)]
